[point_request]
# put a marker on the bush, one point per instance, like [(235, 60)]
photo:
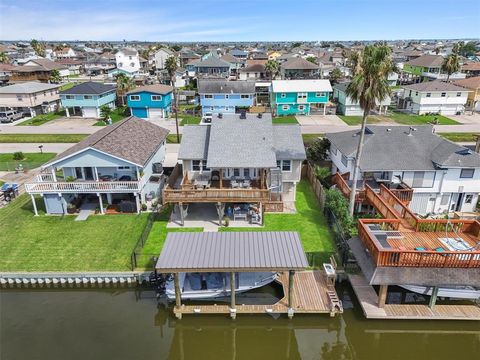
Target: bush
[(318, 150), (18, 155), (336, 202), (144, 207), (323, 174)]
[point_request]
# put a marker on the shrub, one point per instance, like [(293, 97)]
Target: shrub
[(144, 207), (69, 179), (323, 174), (18, 155), (318, 150), (338, 205)]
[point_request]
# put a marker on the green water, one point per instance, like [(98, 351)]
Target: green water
[(127, 324)]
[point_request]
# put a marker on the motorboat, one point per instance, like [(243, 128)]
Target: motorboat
[(455, 292), (204, 286)]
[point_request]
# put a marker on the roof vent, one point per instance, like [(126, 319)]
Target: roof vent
[(389, 129), (465, 151), (411, 129), (220, 115), (243, 115), (259, 115)]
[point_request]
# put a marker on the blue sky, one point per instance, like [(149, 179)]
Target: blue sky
[(238, 20)]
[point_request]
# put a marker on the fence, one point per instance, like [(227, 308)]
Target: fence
[(309, 174), (340, 237), (137, 258)]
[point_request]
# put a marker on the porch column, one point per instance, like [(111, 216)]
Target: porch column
[(382, 295), (324, 109), (100, 202), (67, 112), (182, 217), (221, 212), (109, 198), (291, 274), (34, 205), (433, 297), (95, 172), (54, 176), (138, 174), (221, 178), (233, 310), (262, 178), (137, 200), (178, 298)]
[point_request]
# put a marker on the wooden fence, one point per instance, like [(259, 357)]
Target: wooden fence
[(309, 174)]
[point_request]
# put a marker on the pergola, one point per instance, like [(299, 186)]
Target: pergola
[(232, 252)]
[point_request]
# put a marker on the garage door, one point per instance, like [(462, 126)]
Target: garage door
[(89, 112), (155, 113), (139, 112)]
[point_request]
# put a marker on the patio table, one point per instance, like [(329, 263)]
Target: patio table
[(201, 183)]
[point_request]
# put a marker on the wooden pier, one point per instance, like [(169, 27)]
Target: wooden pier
[(369, 301), (311, 295)]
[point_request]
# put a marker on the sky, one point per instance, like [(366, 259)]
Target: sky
[(238, 20)]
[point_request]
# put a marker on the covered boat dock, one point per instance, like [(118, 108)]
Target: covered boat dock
[(232, 252)]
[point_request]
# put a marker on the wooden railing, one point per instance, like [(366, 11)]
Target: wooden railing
[(383, 207), (213, 195), (344, 188), (401, 209), (83, 187), (413, 258), (404, 194)]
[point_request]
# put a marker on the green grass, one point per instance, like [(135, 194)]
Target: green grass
[(66, 86), (309, 138), (459, 137), (116, 115), (357, 120), (308, 221), (408, 119), (172, 138), (42, 119), (41, 138), (31, 160), (189, 119), (56, 243), (285, 120)]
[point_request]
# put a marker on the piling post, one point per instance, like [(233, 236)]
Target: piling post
[(382, 295), (233, 309), (433, 297), (291, 274), (178, 299)]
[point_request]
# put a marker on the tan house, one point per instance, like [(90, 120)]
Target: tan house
[(30, 97), (473, 84), (38, 70)]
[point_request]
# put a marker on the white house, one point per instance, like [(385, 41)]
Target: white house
[(128, 60), (443, 175), (434, 97), (161, 55), (349, 107), (65, 53)]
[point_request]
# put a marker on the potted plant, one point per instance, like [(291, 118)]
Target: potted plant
[(226, 220), (144, 207), (71, 208), (69, 179)]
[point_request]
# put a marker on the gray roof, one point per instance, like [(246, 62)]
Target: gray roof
[(391, 148), (194, 144), (341, 86), (212, 61), (27, 88), (226, 87), (232, 251), (155, 89), (298, 63), (288, 142), (435, 85), (132, 139), (90, 87), (427, 61)]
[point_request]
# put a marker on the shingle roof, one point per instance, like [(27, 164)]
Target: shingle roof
[(226, 87), (232, 251), (427, 61), (27, 88), (47, 64), (259, 68), (435, 85), (298, 63), (288, 142), (231, 59), (131, 139), (194, 144), (391, 148), (212, 61), (90, 87), (469, 83), (156, 89), (127, 51)]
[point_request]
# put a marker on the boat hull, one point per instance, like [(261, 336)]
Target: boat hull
[(466, 292)]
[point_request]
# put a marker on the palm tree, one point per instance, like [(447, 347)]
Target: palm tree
[(171, 66), (369, 86), (3, 58), (335, 75), (271, 68), (38, 47), (124, 84), (451, 64), (55, 76)]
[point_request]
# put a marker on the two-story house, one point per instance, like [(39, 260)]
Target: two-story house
[(30, 97), (299, 68), (238, 159), (65, 53), (160, 56), (38, 70), (253, 72), (87, 99), (299, 97), (212, 67), (349, 107), (425, 68), (473, 85), (128, 61), (223, 96), (433, 97), (150, 101), (435, 174), (116, 169)]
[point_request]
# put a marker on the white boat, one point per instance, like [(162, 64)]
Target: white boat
[(202, 286), (455, 292)]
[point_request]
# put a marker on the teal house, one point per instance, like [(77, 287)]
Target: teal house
[(299, 97), (87, 98), (151, 101)]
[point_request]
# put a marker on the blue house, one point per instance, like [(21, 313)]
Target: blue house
[(299, 97), (223, 96), (150, 101), (87, 98), (213, 66)]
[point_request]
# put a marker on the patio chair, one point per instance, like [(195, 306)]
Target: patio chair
[(234, 184)]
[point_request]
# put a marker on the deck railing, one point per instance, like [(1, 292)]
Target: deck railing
[(399, 206), (413, 258), (382, 206), (404, 194), (83, 187), (344, 188), (212, 195)]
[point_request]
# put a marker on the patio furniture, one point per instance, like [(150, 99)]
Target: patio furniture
[(234, 184), (125, 178), (202, 184), (106, 177), (239, 213)]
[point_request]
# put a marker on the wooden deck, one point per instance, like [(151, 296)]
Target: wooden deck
[(427, 240), (368, 300), (311, 295)]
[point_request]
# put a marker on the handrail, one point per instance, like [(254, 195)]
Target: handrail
[(380, 204), (345, 189), (179, 195), (405, 213), (82, 187)]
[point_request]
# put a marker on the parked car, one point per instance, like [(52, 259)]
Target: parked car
[(207, 118), (9, 116)]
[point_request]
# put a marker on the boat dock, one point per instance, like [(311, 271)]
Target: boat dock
[(311, 295), (369, 301)]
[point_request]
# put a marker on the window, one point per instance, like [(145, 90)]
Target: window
[(443, 94), (129, 58), (243, 96), (227, 96), (468, 199), (416, 93), (459, 94), (344, 160), (246, 173), (301, 107), (19, 98), (429, 94), (410, 93), (236, 172), (123, 168), (132, 64), (283, 95), (467, 173), (156, 97), (208, 96), (87, 97), (320, 94), (445, 199), (286, 165), (135, 97), (70, 97), (302, 95), (199, 165), (78, 173), (285, 107), (423, 179), (120, 64)]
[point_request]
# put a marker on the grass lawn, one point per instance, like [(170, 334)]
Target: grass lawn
[(31, 160), (357, 120), (309, 138), (56, 243), (285, 120), (407, 119), (66, 86), (117, 115), (308, 221), (172, 138), (459, 137), (42, 119), (41, 138), (189, 119)]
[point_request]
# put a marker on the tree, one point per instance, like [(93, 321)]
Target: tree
[(176, 47), (369, 85), (271, 68), (171, 66), (105, 112), (465, 49), (312, 59), (451, 64), (317, 151), (55, 76), (296, 44), (335, 75), (323, 174), (3, 58), (38, 47), (124, 84)]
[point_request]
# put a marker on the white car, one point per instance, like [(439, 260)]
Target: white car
[(207, 118)]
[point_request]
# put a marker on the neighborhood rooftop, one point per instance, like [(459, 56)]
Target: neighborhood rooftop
[(90, 87), (279, 86), (157, 89), (435, 85), (225, 87), (427, 61), (27, 88)]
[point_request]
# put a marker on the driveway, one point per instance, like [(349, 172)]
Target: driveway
[(467, 119), (70, 122), (319, 124)]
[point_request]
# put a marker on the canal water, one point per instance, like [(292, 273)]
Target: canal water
[(128, 324)]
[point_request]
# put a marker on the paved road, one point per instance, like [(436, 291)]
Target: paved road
[(33, 147)]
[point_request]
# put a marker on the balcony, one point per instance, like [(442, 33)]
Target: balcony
[(74, 187)]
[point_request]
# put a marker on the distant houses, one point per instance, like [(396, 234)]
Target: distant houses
[(223, 96), (347, 106), (426, 68), (127, 61), (150, 101), (299, 68), (87, 98), (473, 85)]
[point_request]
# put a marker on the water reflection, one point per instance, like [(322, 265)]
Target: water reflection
[(126, 324)]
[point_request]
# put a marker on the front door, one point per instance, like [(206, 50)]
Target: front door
[(458, 204), (88, 173)]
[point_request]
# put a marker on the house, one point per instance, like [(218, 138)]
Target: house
[(473, 85), (299, 68), (118, 168), (212, 67), (187, 56), (128, 61), (433, 97), (254, 72), (30, 97), (346, 106), (471, 68), (239, 54), (65, 53), (235, 63), (150, 101), (101, 64), (38, 70), (274, 55), (434, 174), (236, 162), (426, 68), (160, 56), (223, 96), (6, 71), (87, 98), (299, 97), (75, 67)]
